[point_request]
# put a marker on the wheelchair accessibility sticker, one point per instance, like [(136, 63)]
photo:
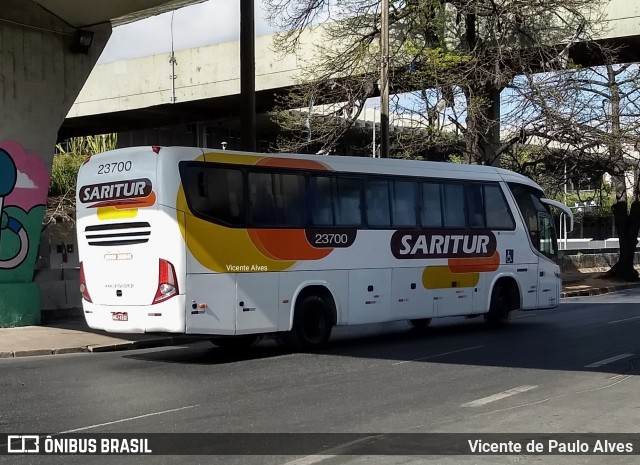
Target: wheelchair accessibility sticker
[(509, 256)]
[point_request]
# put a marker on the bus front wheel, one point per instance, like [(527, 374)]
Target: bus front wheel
[(312, 324), (499, 313)]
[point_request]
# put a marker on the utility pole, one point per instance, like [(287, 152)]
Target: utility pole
[(384, 80), (247, 76)]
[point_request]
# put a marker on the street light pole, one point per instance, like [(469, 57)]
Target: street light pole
[(384, 80)]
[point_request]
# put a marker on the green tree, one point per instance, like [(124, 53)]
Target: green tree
[(61, 203)]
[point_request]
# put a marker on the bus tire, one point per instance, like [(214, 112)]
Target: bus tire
[(499, 314), (421, 323), (235, 342), (312, 324)]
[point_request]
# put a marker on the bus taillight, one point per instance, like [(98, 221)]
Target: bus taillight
[(83, 285), (167, 282)]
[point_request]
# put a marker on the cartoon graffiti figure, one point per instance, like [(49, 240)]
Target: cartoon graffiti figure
[(8, 177)]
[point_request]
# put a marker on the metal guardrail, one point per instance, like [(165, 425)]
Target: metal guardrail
[(588, 243)]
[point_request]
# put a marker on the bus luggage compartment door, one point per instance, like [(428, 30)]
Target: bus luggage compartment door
[(257, 302), (211, 303)]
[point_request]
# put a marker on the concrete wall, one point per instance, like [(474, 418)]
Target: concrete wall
[(57, 271), (203, 72), (623, 19), (39, 81), (591, 263)]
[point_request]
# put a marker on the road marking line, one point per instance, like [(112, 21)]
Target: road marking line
[(608, 360), (128, 419), (525, 315), (331, 453), (498, 396), (626, 319), (438, 355)]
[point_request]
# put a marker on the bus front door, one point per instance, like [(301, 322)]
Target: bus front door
[(548, 271)]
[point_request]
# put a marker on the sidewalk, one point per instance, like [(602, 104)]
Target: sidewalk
[(586, 284), (73, 335)]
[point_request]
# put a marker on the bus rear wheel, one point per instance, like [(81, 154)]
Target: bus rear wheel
[(499, 314), (312, 324), (421, 323), (235, 342)]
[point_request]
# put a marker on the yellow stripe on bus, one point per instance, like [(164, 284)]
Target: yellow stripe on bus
[(441, 277), (231, 158), (112, 213)]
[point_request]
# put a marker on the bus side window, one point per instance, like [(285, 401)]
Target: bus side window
[(233, 192), (261, 195), (202, 188), (454, 206), (347, 202), (497, 211), (431, 216), (320, 200), (403, 204), (290, 196), (377, 203), (215, 194), (475, 206)]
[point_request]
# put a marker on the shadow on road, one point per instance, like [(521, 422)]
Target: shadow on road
[(575, 337)]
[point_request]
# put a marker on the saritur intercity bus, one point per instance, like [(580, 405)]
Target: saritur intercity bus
[(237, 245)]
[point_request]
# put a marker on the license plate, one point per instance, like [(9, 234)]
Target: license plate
[(120, 316)]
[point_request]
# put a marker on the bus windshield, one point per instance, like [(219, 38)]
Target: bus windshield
[(537, 219)]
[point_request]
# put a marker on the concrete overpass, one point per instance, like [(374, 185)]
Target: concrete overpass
[(140, 93), (47, 50)]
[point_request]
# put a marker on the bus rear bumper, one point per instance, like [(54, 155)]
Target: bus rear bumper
[(164, 317)]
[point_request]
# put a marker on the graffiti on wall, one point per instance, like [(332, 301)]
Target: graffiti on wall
[(24, 183)]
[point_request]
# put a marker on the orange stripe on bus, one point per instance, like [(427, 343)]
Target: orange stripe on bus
[(465, 265), (286, 244), (137, 202)]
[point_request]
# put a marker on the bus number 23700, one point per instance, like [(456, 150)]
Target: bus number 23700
[(116, 167)]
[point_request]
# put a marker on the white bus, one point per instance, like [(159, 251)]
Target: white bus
[(238, 245)]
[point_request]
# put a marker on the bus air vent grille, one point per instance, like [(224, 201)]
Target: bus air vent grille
[(114, 234)]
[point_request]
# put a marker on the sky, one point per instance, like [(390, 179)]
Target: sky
[(211, 22)]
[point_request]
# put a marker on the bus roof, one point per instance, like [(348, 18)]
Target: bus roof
[(400, 166), (392, 166)]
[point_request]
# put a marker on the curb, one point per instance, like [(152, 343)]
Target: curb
[(598, 290), (120, 346)]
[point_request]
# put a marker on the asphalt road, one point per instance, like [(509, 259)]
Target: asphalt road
[(573, 369)]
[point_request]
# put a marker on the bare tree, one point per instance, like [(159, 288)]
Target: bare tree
[(585, 122), (454, 56)]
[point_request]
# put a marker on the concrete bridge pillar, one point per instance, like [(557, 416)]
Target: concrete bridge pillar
[(41, 74)]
